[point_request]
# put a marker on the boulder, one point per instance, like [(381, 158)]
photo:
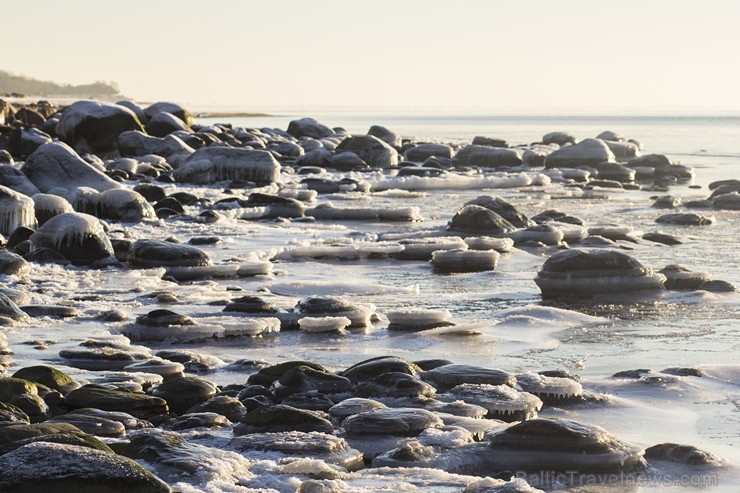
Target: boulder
[(157, 253), (16, 210), (78, 237), (489, 157), (559, 138), (308, 127), (213, 164), (45, 466), (172, 108), (372, 150), (56, 165), (586, 153), (163, 124), (422, 152), (24, 141), (91, 126), (387, 136), (14, 179)]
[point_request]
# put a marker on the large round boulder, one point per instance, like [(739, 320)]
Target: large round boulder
[(585, 273), (92, 126), (588, 152), (213, 164), (56, 165), (78, 237)]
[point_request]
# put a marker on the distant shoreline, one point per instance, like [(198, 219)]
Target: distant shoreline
[(230, 114)]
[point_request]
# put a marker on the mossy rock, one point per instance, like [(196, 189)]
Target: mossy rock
[(49, 376), (77, 438), (17, 432), (12, 387), (136, 404), (44, 466), (10, 413)]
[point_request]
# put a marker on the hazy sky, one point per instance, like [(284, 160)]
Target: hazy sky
[(268, 54)]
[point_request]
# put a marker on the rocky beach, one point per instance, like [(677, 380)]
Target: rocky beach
[(188, 305)]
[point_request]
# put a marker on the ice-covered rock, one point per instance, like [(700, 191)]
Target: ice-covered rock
[(16, 209), (78, 237), (588, 152), (212, 164), (56, 165)]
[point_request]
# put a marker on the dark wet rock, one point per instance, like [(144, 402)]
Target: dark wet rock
[(78, 237), (656, 162), (559, 138), (204, 240), (12, 387), (504, 209), (664, 238), (53, 311), (449, 376), (217, 163), (718, 287), (685, 219), (91, 126), (560, 445), (33, 405), (12, 264), (632, 374), (93, 425), (23, 142), (394, 384), (500, 401), (14, 179), (128, 421), (18, 237), (169, 203), (173, 108), (163, 124), (489, 141), (198, 420), (304, 379), (479, 220), (312, 401), (421, 152), (48, 376), (347, 161), (251, 304), (353, 405), (422, 171), (57, 165), (279, 418), (229, 407), (684, 372), (29, 116), (156, 253), (585, 273), (680, 277), (322, 306), (152, 193), (371, 150), (276, 206), (391, 421), (374, 367), (266, 376), (430, 364), (588, 152), (555, 215), (45, 466), (489, 157), (682, 454), (320, 446), (308, 127), (614, 172), (138, 405), (728, 201), (184, 392)]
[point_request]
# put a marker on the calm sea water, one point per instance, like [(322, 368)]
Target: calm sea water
[(678, 329)]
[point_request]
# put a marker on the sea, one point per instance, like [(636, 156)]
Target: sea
[(501, 319)]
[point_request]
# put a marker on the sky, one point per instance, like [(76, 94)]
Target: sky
[(528, 55)]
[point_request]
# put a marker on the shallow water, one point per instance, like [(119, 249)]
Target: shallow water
[(502, 321)]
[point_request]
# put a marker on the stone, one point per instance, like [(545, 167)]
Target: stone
[(588, 152), (158, 253), (91, 126), (45, 466), (172, 108), (163, 124), (137, 404), (14, 179), (57, 165), (281, 418), (184, 392), (308, 127), (371, 150), (212, 164), (78, 237), (488, 157)]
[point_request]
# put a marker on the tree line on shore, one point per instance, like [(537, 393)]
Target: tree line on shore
[(20, 85)]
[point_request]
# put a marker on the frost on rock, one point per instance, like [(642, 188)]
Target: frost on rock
[(48, 206), (78, 237), (463, 260), (57, 165), (212, 164), (16, 210), (323, 324)]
